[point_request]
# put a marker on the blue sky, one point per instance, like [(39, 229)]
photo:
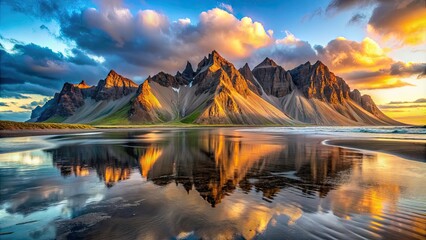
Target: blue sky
[(376, 46)]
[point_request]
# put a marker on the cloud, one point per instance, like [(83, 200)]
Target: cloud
[(34, 60), (34, 104), (379, 83), (316, 13), (81, 58), (366, 65), (46, 9), (338, 5), (403, 106), (148, 41), (408, 69), (402, 20), (30, 68), (135, 44), (357, 18), (12, 94), (226, 7), (233, 37), (288, 51), (345, 55), (420, 100)]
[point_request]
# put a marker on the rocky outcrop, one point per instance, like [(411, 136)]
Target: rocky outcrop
[(368, 104), (114, 87), (188, 73), (36, 113), (355, 95), (253, 84), (274, 79), (186, 76), (64, 104), (215, 70), (316, 81), (167, 80), (143, 108)]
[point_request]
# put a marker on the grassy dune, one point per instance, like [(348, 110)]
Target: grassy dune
[(9, 125)]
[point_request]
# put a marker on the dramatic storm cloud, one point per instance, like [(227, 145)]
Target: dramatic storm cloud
[(38, 70)]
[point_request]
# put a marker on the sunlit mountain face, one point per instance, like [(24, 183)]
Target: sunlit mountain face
[(376, 46), (205, 182)]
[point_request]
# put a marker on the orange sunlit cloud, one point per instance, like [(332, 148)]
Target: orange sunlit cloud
[(406, 23), (231, 36), (366, 65), (384, 81), (344, 55)]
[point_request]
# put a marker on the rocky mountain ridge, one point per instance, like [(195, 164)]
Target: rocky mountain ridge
[(217, 93)]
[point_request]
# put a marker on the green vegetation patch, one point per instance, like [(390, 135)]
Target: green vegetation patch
[(120, 117), (191, 117), (10, 125)]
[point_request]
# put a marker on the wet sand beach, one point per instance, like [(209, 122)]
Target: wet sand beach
[(209, 183), (409, 149)]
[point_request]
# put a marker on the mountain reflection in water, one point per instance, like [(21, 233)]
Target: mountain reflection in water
[(213, 164), (210, 183)]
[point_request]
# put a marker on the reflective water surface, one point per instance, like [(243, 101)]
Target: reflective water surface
[(207, 183)]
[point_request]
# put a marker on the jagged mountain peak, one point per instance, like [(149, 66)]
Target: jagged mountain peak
[(216, 72), (246, 67), (316, 81), (82, 85), (114, 87), (274, 79), (355, 95), (213, 59), (112, 72), (167, 80), (202, 63), (216, 59), (188, 73), (319, 64), (188, 68), (253, 84), (321, 67), (267, 62), (214, 62), (114, 79)]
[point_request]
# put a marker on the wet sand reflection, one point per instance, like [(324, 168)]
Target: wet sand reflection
[(219, 183)]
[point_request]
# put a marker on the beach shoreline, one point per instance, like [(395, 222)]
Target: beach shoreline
[(408, 149)]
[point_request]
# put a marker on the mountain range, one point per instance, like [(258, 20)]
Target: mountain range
[(217, 93)]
